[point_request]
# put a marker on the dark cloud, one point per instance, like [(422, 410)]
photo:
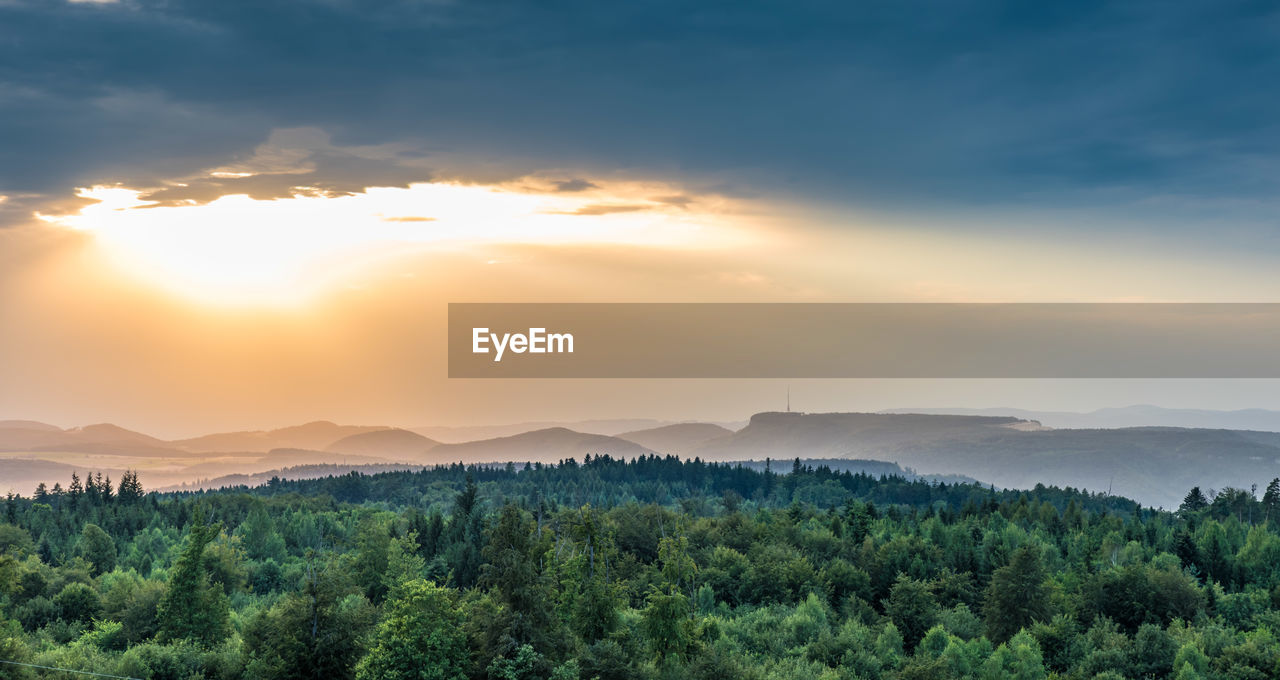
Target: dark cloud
[(570, 185), (887, 102), (295, 162), (678, 201)]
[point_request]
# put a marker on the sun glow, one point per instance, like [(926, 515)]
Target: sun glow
[(241, 250)]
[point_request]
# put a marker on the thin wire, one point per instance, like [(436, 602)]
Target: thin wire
[(68, 670)]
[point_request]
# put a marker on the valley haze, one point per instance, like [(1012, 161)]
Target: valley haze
[(1137, 452)]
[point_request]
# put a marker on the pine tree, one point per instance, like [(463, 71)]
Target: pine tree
[(130, 489), (372, 543), (465, 536), (193, 608), (512, 573), (1271, 498), (1017, 596), (1194, 501), (76, 490), (912, 608), (1185, 548), (259, 536)]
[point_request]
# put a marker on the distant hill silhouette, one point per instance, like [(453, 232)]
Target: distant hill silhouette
[(392, 443), (547, 445), (21, 475), (680, 439), (842, 435), (314, 435), (102, 438), (470, 433), (28, 425), (1142, 415), (1155, 465)]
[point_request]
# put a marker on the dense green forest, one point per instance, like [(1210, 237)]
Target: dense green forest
[(650, 568)]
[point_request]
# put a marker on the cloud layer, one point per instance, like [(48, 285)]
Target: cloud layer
[(1158, 107)]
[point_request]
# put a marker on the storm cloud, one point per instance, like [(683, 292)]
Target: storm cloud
[(1153, 106)]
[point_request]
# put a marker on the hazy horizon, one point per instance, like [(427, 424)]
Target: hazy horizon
[(800, 403), (188, 256)]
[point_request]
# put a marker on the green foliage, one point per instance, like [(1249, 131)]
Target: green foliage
[(646, 569), (193, 608), (260, 538), (316, 632), (98, 548), (1153, 652), (372, 545), (15, 541), (1017, 596), (13, 648), (595, 613), (421, 638), (1017, 659), (1137, 594), (667, 625), (524, 664), (131, 600), (961, 622), (512, 572), (78, 602), (912, 608), (106, 635)]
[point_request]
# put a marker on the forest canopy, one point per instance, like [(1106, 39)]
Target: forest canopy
[(646, 568)]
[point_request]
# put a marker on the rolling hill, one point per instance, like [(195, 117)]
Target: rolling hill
[(843, 435), (1141, 415), (1155, 465), (548, 445), (469, 433), (394, 443), (680, 439), (314, 435)]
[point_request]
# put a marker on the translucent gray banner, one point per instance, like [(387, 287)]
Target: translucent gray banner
[(684, 340)]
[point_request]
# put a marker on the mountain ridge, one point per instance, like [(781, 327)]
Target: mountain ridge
[(1154, 464)]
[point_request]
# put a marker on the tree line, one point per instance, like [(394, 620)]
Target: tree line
[(652, 567)]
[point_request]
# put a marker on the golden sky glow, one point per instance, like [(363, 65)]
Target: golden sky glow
[(240, 250), (270, 222), (179, 316)]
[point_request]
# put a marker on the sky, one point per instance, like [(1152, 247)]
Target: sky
[(246, 214)]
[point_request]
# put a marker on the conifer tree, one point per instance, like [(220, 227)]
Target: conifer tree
[(193, 608), (1017, 596), (1271, 499), (1194, 501), (76, 490)]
